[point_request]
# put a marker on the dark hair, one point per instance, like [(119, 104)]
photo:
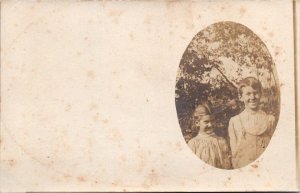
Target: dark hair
[(249, 81)]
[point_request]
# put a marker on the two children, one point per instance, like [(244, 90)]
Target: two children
[(249, 132)]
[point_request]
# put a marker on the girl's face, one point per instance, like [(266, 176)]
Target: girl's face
[(204, 124), (250, 97)]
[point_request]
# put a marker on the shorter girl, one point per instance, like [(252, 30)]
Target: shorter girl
[(210, 148)]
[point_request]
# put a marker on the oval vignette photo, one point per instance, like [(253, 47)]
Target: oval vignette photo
[(227, 95)]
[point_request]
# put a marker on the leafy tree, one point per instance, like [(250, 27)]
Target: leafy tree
[(217, 58)]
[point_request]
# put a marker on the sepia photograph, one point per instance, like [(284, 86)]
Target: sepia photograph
[(227, 95), (149, 96)]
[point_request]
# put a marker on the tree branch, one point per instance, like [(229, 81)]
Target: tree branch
[(224, 76)]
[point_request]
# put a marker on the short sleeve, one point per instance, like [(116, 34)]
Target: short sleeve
[(191, 145)]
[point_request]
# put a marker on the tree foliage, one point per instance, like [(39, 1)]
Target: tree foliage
[(217, 58)]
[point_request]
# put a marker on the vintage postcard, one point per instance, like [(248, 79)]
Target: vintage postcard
[(100, 95)]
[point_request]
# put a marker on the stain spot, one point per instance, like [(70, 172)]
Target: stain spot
[(152, 179), (278, 51), (183, 37), (104, 121), (242, 10), (141, 155), (91, 74), (254, 166), (81, 179), (117, 182), (147, 20), (68, 108), (42, 119), (227, 181), (115, 14), (114, 72), (11, 162), (96, 117), (178, 146), (268, 184), (123, 158), (115, 135), (66, 176), (169, 3), (93, 106), (131, 36), (271, 34), (190, 26)]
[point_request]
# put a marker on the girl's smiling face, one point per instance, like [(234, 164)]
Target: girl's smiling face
[(204, 124), (251, 98)]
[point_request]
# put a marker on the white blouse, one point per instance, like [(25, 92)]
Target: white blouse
[(249, 134), (211, 149)]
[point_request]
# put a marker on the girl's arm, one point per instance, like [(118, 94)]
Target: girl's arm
[(232, 137)]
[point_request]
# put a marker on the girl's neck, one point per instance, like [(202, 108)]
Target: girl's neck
[(205, 134), (251, 111)]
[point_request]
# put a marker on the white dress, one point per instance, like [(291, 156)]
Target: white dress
[(211, 149), (249, 136)]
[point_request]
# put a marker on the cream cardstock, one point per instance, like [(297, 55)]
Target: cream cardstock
[(88, 96)]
